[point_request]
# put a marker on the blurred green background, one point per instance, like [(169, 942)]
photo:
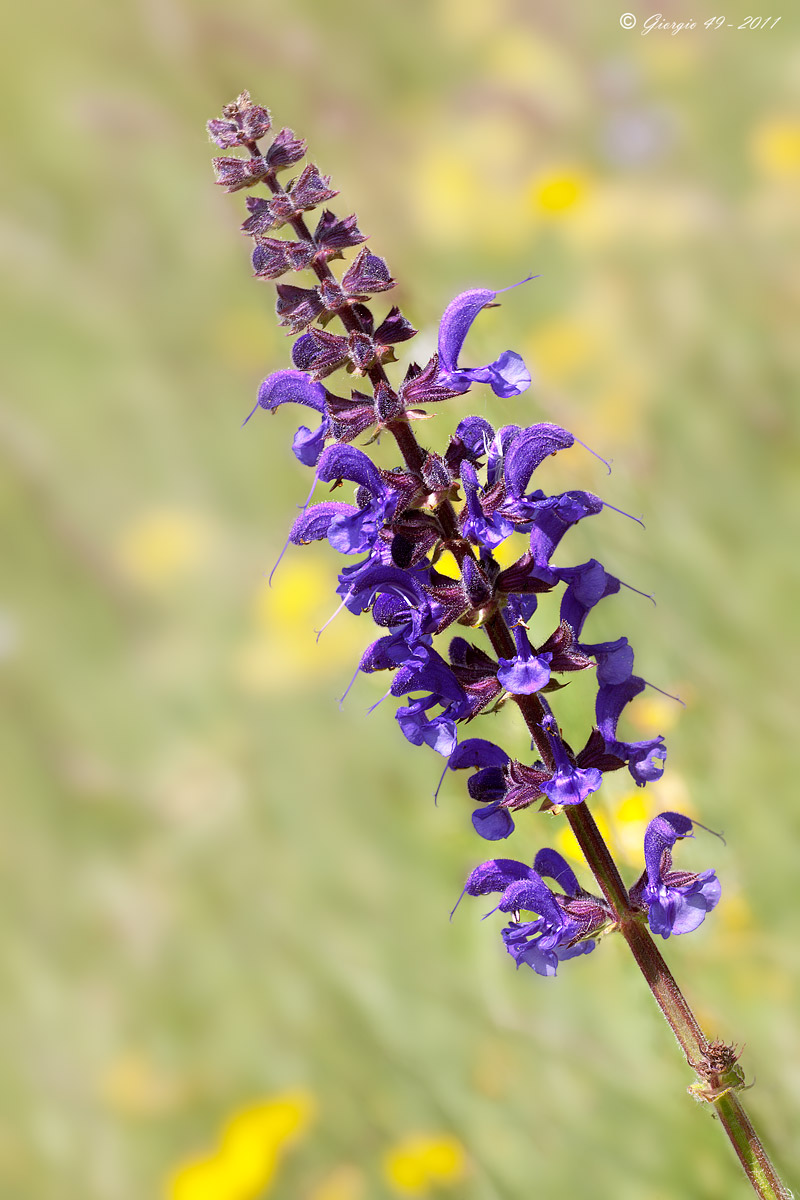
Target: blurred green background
[(227, 966)]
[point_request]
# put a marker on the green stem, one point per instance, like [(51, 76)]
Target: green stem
[(752, 1155)]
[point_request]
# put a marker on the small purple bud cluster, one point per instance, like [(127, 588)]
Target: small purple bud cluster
[(466, 501)]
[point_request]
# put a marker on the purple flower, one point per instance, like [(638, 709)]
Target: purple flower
[(487, 530), (645, 759), (587, 585), (570, 783), (526, 449), (614, 660), (472, 439), (399, 604), (564, 922), (295, 387), (439, 732), (553, 516), (526, 672), (434, 676), (676, 901), (507, 375), (487, 786), (403, 601), (476, 671), (357, 530)]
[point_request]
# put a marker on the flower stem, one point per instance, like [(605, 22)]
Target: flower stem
[(718, 1075), (752, 1155)]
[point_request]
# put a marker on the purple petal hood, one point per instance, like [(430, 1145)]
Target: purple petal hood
[(507, 375)]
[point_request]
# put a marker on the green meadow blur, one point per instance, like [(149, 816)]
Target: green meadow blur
[(227, 966)]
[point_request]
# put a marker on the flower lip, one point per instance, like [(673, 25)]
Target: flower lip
[(570, 783), (527, 672)]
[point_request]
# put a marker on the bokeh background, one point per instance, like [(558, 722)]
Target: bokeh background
[(227, 965)]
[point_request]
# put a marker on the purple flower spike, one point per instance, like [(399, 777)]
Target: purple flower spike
[(242, 122), (507, 375), (236, 173), (333, 234), (676, 901), (320, 352), (295, 387), (285, 151), (368, 273), (409, 521), (311, 189)]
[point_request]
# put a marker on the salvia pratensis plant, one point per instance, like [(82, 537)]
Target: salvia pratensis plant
[(468, 501)]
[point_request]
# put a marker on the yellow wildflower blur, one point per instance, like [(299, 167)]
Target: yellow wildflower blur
[(561, 349), (632, 813), (449, 195), (294, 597), (249, 1153), (161, 546), (735, 915), (468, 21), (566, 843), (284, 649), (425, 1161), (651, 713), (775, 147), (556, 192)]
